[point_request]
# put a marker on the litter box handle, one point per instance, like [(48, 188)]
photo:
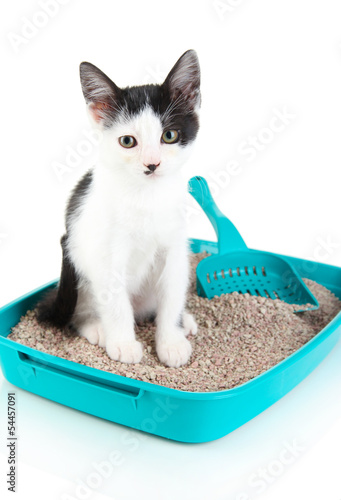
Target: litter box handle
[(228, 236), (30, 368)]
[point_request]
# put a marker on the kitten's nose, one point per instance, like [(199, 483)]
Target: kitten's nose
[(152, 167)]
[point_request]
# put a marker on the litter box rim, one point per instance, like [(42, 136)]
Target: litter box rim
[(196, 246)]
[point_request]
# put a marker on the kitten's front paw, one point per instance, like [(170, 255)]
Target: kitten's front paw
[(174, 349), (126, 352)]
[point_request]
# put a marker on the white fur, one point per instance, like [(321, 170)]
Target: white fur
[(129, 245)]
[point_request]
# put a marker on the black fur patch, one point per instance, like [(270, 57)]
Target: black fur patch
[(76, 197), (58, 305)]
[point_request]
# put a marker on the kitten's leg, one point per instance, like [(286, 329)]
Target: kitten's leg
[(116, 316), (85, 319), (172, 347)]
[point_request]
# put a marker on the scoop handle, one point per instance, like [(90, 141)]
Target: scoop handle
[(229, 239)]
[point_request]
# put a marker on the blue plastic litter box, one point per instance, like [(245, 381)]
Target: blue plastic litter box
[(192, 417)]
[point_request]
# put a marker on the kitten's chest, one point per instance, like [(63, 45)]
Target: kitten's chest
[(154, 229), (149, 235), (155, 224)]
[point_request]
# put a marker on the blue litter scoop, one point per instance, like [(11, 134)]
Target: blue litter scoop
[(236, 268)]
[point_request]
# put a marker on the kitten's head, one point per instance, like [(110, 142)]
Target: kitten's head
[(147, 130)]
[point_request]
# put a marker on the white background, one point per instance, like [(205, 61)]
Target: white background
[(258, 59)]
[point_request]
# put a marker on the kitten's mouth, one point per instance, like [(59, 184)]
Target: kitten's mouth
[(149, 172)]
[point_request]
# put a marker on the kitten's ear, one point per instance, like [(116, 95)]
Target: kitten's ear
[(184, 79), (100, 93)]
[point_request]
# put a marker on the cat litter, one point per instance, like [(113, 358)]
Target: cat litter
[(239, 337)]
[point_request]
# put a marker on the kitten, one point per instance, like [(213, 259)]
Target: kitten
[(125, 253)]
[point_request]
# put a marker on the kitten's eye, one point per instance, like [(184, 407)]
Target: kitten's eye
[(127, 141), (170, 136)]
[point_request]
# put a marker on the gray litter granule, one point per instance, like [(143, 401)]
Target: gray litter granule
[(239, 337)]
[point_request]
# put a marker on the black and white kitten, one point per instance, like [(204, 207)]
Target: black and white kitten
[(125, 253)]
